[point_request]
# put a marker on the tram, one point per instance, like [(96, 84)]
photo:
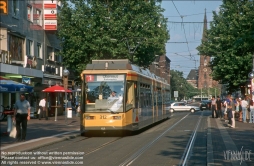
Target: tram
[(120, 97)]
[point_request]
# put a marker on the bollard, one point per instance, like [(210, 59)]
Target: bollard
[(56, 114), (9, 123)]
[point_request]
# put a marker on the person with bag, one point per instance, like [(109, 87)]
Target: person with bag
[(21, 116), (42, 106)]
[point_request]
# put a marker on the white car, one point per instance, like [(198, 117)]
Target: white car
[(181, 106)]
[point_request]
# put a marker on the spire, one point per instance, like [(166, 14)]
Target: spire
[(205, 27)]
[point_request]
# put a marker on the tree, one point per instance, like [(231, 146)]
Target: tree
[(230, 42), (178, 83), (100, 29)]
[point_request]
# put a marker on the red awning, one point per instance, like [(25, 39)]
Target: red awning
[(56, 88)]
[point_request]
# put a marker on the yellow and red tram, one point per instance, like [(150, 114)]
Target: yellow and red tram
[(118, 96)]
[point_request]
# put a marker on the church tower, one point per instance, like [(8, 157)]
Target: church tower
[(204, 78)]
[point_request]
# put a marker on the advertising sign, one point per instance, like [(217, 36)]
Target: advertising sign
[(3, 6), (50, 24), (50, 14)]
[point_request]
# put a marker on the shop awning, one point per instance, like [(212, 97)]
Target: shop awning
[(10, 86)]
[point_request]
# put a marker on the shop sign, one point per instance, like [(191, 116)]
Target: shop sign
[(50, 24), (26, 80), (3, 6), (50, 4), (50, 14)]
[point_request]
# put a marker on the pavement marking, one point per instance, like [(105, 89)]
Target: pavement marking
[(38, 139), (229, 143), (209, 150)]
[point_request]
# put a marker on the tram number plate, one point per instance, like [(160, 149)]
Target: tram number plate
[(103, 117)]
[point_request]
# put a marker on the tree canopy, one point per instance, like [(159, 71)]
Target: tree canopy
[(111, 29), (178, 83), (230, 42)]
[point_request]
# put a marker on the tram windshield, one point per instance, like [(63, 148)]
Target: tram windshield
[(106, 92)]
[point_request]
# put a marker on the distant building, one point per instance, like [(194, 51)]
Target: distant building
[(161, 67), (204, 78), (192, 78)]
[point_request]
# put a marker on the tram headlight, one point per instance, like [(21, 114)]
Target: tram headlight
[(89, 117), (117, 117)]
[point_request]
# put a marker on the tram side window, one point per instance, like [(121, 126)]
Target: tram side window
[(131, 94)]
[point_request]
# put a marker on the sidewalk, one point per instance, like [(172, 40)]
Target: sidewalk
[(41, 132), (230, 146)]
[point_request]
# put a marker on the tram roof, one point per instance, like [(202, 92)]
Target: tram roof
[(121, 64)]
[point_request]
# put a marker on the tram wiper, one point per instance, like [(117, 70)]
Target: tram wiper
[(113, 112)]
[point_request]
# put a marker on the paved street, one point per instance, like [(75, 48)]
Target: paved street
[(220, 143), (41, 132)]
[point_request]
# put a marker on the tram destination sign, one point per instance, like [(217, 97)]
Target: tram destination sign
[(110, 77)]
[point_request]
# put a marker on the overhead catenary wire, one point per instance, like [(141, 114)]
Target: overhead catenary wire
[(188, 15), (183, 29)]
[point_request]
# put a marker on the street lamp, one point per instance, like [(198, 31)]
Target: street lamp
[(48, 99), (65, 82)]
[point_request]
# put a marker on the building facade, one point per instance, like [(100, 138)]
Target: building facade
[(205, 80), (29, 46), (192, 78), (161, 67)]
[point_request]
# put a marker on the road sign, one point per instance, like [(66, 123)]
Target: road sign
[(65, 101), (175, 93)]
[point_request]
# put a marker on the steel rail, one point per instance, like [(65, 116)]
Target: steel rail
[(190, 143), (132, 158), (102, 146)]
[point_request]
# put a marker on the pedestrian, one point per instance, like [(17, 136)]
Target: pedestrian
[(248, 99), (218, 107), (240, 110), (213, 102), (233, 104), (230, 105), (21, 116), (251, 111), (225, 110), (244, 105), (42, 106)]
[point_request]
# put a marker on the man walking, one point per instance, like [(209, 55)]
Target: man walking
[(218, 107), (42, 106), (213, 102), (21, 115)]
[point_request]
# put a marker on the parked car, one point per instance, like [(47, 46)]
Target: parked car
[(181, 106), (205, 104)]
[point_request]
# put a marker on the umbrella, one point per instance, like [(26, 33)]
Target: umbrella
[(56, 88), (7, 85)]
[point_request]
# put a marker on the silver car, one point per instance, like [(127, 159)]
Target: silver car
[(181, 106)]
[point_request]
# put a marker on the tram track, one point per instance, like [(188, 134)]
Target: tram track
[(186, 153), (190, 143), (102, 146), (136, 155)]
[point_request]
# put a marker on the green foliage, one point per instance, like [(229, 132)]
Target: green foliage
[(230, 41), (100, 29), (178, 83)]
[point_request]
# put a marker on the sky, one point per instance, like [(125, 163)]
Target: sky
[(186, 37)]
